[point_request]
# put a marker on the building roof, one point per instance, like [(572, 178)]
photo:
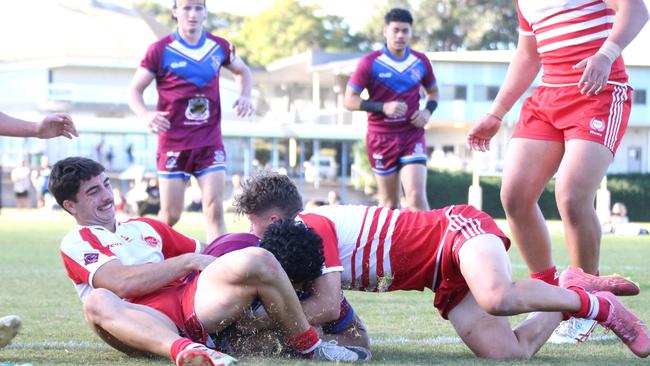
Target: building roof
[(75, 30)]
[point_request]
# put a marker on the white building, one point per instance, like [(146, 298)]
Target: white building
[(82, 55)]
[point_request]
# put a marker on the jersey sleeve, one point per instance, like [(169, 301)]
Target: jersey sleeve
[(360, 78), (152, 59), (82, 255), (173, 242), (326, 230), (525, 29), (429, 79)]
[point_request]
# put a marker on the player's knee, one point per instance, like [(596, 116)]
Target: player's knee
[(570, 207), (258, 264), (169, 217), (495, 303), (99, 305)]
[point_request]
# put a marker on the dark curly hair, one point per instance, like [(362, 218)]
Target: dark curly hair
[(266, 190), (68, 174), (298, 249), (398, 15)]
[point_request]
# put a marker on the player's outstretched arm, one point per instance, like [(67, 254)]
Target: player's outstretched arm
[(53, 125)]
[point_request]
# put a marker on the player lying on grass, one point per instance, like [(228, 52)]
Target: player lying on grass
[(347, 329), (129, 276), (458, 252)]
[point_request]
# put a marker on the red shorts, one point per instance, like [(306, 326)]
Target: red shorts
[(562, 113), (387, 153), (177, 302), (197, 162), (451, 287)]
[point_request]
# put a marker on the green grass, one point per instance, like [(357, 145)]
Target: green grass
[(405, 327)]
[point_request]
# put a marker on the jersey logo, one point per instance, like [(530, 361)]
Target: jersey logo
[(385, 75), (178, 65), (152, 241), (172, 157), (198, 109), (90, 258), (219, 157), (597, 126)]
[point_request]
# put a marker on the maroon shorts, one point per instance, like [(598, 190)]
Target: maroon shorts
[(185, 163), (177, 303), (465, 222), (387, 153), (562, 113)]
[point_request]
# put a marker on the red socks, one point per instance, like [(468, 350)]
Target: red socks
[(591, 306), (306, 342), (179, 345), (549, 276)]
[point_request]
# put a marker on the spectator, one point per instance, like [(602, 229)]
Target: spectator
[(20, 177), (40, 178)]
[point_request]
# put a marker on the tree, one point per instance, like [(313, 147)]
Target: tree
[(449, 25), (288, 28)]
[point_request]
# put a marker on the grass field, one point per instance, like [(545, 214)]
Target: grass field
[(404, 327)]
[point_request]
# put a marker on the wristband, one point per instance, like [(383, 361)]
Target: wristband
[(431, 106), (498, 111), (610, 50), (377, 107)]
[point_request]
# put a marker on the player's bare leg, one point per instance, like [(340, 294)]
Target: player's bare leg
[(212, 186), (172, 197), (581, 171), (130, 328), (489, 336), (530, 164), (229, 285), (388, 187), (414, 181)]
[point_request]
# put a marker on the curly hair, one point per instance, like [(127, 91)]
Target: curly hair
[(398, 15), (266, 190), (298, 249), (68, 174)]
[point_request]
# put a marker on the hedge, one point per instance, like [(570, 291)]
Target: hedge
[(447, 188)]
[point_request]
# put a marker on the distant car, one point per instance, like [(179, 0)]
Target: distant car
[(326, 167)]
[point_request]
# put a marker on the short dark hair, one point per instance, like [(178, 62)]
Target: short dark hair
[(398, 15), (68, 174), (267, 190), (298, 249)]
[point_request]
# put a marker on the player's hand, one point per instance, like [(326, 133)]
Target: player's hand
[(244, 107), (420, 118), (594, 78), (198, 262), (157, 121), (56, 124), (395, 109), (480, 135)]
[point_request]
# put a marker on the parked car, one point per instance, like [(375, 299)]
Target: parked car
[(326, 167)]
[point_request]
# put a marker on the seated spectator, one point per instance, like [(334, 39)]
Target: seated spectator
[(619, 222)]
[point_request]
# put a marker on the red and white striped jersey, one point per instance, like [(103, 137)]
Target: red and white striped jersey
[(567, 32), (386, 250), (138, 241)]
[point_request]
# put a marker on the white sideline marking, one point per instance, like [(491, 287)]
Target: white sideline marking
[(57, 345), (431, 341), (442, 340)]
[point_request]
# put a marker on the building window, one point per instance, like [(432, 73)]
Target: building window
[(492, 92), (639, 96), (460, 92)]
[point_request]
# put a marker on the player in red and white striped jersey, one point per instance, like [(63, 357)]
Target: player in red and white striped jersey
[(457, 251), (570, 127), (146, 288)]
